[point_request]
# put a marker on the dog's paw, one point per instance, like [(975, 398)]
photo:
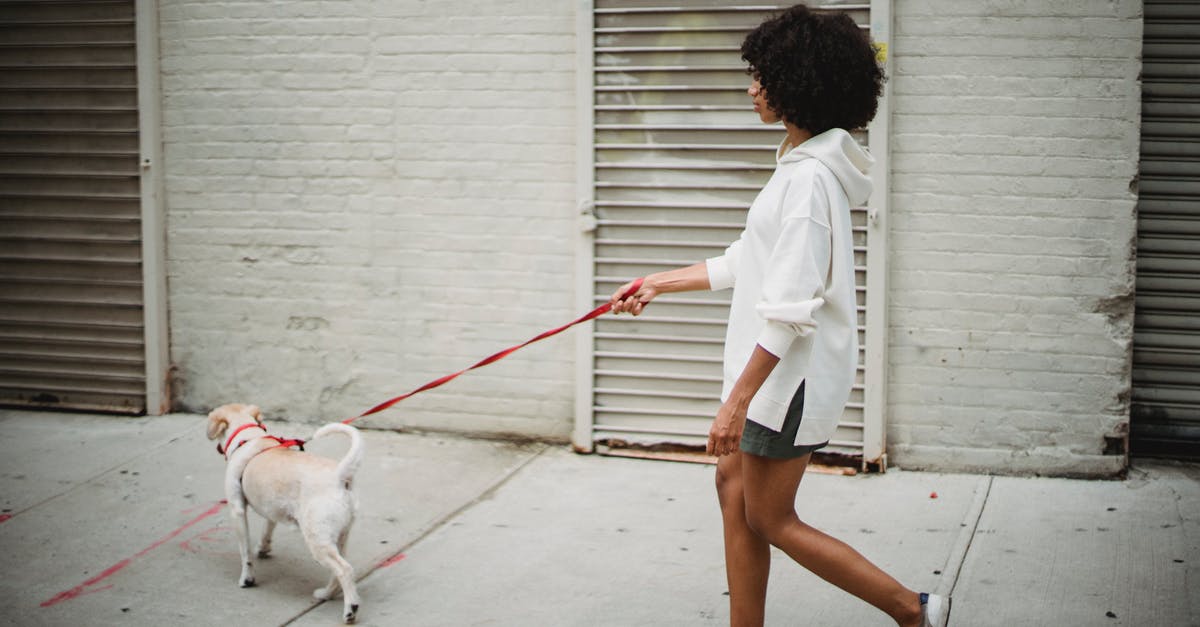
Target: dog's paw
[(248, 582), (350, 614), (322, 594)]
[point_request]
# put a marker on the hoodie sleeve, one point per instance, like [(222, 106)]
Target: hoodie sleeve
[(794, 285), (723, 270)]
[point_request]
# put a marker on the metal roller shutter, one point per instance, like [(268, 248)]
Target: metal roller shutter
[(678, 156), (71, 321), (1165, 415)]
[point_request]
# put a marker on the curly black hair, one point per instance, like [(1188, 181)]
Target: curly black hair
[(818, 69)]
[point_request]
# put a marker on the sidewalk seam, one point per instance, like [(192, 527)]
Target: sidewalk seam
[(144, 452), (966, 536), (437, 524)]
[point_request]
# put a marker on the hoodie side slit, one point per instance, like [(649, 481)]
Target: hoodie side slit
[(792, 274)]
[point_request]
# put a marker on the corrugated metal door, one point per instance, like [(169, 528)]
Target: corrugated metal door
[(71, 322), (678, 157), (1165, 416)]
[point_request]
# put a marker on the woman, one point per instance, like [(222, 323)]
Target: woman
[(791, 348)]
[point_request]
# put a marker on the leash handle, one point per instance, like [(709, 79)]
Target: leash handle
[(633, 289), (591, 315)]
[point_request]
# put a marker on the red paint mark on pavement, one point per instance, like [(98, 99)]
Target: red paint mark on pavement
[(4, 517), (87, 587), (391, 560), (206, 537)]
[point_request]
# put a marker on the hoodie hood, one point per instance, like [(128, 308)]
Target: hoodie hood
[(840, 153)]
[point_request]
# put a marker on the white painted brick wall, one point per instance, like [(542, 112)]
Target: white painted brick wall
[(365, 196), (1015, 141)]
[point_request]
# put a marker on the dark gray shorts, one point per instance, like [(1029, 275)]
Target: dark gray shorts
[(761, 441)]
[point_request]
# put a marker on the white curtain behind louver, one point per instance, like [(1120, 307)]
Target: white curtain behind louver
[(679, 156), (71, 325)]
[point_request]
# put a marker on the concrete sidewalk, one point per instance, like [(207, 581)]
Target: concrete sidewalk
[(117, 521)]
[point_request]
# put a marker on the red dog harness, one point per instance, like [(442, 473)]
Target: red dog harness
[(280, 442)]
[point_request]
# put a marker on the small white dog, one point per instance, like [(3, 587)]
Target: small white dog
[(284, 485)]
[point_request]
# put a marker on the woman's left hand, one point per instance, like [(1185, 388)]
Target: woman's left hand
[(636, 301), (726, 432)]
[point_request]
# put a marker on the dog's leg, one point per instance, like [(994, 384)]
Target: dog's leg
[(264, 547), (343, 573), (331, 589), (242, 526), (237, 512)]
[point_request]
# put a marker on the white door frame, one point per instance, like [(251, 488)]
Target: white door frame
[(153, 211), (875, 371), (585, 172)]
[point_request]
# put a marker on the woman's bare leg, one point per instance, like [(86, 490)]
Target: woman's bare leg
[(747, 555), (769, 486)]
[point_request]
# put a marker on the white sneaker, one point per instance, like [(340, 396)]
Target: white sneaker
[(935, 610)]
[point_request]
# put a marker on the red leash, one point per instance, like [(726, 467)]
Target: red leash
[(593, 314)]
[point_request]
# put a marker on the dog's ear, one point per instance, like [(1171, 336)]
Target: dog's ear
[(256, 412), (217, 423)]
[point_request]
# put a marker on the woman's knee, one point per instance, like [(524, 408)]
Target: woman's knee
[(769, 524), (729, 486)]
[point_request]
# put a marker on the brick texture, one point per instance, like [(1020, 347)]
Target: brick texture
[(1015, 144), (367, 195), (364, 196)]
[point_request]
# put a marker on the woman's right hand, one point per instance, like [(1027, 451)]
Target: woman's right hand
[(635, 302)]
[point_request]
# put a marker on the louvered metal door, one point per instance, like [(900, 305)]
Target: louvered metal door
[(71, 328), (1165, 416), (678, 156)]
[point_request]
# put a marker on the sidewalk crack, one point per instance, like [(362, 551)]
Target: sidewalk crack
[(437, 524), (966, 536), (141, 453)]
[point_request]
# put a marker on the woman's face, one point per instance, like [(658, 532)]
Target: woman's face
[(764, 111)]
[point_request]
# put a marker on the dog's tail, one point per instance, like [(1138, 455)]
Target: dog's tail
[(349, 464)]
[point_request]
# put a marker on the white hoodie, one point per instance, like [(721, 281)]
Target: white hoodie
[(792, 273)]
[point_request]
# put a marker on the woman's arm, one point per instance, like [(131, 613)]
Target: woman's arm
[(726, 432), (691, 278)]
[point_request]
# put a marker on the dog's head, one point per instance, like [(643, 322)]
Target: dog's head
[(220, 419)]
